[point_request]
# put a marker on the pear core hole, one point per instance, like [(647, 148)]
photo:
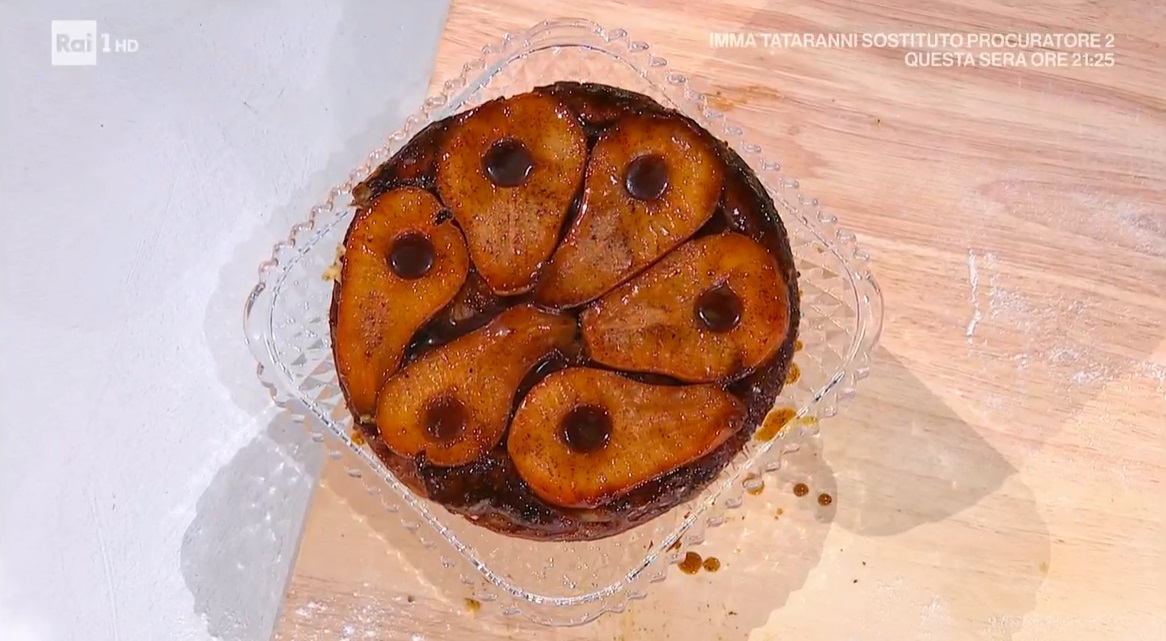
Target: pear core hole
[(445, 419), (718, 308), (647, 177), (412, 256), (586, 428), (507, 163)]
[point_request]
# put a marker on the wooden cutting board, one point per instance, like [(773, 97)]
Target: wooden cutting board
[(1000, 475)]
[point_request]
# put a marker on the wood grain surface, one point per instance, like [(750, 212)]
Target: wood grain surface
[(1000, 474)]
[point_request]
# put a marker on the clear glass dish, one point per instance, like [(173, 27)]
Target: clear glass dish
[(286, 323)]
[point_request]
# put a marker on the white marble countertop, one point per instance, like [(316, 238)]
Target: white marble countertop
[(148, 490)]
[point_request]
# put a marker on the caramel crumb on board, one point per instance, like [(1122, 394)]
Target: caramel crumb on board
[(774, 422), (825, 499), (801, 489), (754, 484), (711, 564), (798, 345), (719, 101), (473, 605), (793, 374), (357, 437), (675, 546), (809, 422), (691, 563)]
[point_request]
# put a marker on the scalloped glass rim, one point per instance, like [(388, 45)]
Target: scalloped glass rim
[(297, 369)]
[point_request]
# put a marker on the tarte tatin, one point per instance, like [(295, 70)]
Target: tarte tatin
[(561, 313)]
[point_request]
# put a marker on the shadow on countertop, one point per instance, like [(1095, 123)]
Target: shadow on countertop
[(896, 459), (906, 460), (238, 552)]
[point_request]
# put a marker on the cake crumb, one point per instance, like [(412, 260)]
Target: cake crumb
[(473, 605), (825, 499), (711, 564), (333, 271), (801, 489)]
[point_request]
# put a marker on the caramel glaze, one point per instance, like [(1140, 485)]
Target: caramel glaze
[(489, 491)]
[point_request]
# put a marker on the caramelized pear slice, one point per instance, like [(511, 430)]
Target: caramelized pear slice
[(583, 437), (509, 171), (399, 269), (713, 310), (452, 403), (650, 185)]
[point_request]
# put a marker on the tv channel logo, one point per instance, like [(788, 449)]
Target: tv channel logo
[(74, 43)]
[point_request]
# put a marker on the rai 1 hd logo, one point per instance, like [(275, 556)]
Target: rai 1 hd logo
[(76, 43)]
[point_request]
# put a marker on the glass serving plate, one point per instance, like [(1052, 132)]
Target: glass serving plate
[(286, 324)]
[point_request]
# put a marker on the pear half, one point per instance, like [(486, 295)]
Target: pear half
[(509, 170), (452, 404), (400, 267), (711, 311), (583, 437), (651, 183)]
